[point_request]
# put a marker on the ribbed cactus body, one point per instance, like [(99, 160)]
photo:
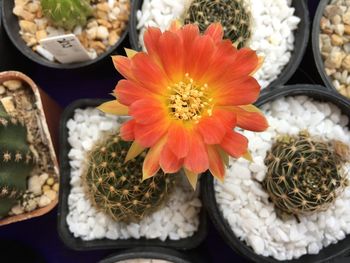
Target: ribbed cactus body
[(305, 174), (67, 13), (232, 14), (16, 161), (116, 187)]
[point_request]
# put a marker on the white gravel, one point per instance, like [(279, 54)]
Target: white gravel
[(245, 204), (272, 31), (178, 219)]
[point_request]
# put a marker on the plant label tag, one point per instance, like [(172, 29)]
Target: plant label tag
[(66, 48)]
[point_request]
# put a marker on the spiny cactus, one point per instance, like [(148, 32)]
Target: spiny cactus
[(305, 174), (232, 14), (116, 187), (67, 13), (16, 161)]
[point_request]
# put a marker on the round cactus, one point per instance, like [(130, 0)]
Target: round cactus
[(305, 174), (232, 14), (16, 161), (116, 187), (67, 13)]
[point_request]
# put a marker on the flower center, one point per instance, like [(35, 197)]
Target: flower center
[(188, 100)]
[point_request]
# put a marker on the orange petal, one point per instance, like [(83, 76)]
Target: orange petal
[(150, 38), (250, 118), (216, 165), (197, 158), (127, 130), (239, 92), (178, 139), (149, 73), (123, 65), (198, 55), (192, 178), (151, 163), (169, 162), (214, 128), (246, 61), (215, 31), (147, 111), (260, 63), (234, 144), (188, 33), (128, 91), (148, 134), (114, 107), (171, 55), (134, 150)]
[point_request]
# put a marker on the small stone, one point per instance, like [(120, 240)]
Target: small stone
[(51, 194), (44, 201), (27, 26), (337, 40), (2, 89), (332, 10), (30, 205), (40, 35), (347, 29), (313, 248), (257, 243), (336, 20), (334, 59), (113, 38), (34, 184), (12, 84), (92, 33), (20, 12), (346, 63), (339, 29), (103, 7), (55, 187), (102, 32), (50, 181), (46, 188), (17, 210), (346, 18), (8, 104)]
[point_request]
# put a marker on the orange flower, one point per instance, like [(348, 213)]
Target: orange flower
[(185, 97)]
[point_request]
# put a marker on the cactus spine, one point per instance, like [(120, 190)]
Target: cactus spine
[(117, 188), (16, 161), (232, 14), (305, 174), (67, 13)]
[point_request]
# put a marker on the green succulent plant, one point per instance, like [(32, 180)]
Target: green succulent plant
[(232, 14), (305, 174), (16, 161), (67, 13), (116, 187)]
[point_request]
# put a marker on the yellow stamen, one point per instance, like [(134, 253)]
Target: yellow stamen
[(188, 100)]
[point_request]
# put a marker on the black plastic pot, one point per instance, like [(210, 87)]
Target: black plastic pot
[(79, 244), (11, 25), (151, 253), (301, 38), (326, 254), (316, 30)]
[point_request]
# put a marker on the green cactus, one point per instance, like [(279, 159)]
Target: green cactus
[(305, 174), (67, 13), (232, 14), (116, 187), (16, 161)]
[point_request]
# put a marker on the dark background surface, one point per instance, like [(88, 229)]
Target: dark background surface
[(40, 234)]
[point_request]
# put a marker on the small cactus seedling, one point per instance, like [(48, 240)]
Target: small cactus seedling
[(116, 187), (305, 174), (16, 161), (67, 13), (232, 14)]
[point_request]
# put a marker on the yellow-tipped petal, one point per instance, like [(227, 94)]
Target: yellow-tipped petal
[(260, 63), (175, 25), (151, 163), (192, 178), (251, 108), (114, 107), (224, 156), (130, 52), (248, 156), (134, 150)]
